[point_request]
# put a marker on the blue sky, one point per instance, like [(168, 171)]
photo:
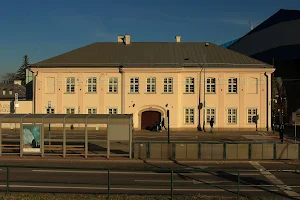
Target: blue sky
[(43, 29)]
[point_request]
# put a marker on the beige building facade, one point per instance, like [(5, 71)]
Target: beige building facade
[(194, 81)]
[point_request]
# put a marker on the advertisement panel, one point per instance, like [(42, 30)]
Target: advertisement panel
[(31, 138)]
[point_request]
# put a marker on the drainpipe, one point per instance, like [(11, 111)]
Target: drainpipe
[(267, 100), (122, 89)]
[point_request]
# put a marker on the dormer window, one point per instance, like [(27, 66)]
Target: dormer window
[(4, 92)]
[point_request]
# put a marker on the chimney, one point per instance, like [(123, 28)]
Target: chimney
[(127, 39), (178, 38), (120, 38), (17, 82)]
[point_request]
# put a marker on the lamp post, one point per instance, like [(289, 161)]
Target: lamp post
[(200, 105)]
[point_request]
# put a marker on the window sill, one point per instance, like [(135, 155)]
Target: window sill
[(210, 93), (232, 93), (91, 93), (167, 93), (150, 93), (112, 93), (189, 93), (69, 93), (232, 124), (133, 93)]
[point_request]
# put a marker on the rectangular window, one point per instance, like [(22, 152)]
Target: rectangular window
[(112, 111), (210, 113), (210, 85), (92, 110), (3, 92), (168, 85), (232, 85), (232, 116), (151, 85), (113, 85), (189, 85), (70, 111), (92, 84), (50, 110), (134, 85), (189, 115), (251, 113), (70, 85), (10, 92)]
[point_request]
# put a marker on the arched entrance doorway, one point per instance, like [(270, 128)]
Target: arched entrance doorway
[(149, 118)]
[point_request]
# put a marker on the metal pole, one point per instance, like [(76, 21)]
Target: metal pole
[(295, 132), (204, 92), (108, 184), (7, 180), (238, 189), (168, 115), (172, 184)]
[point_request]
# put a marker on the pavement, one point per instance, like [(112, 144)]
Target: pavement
[(217, 178)]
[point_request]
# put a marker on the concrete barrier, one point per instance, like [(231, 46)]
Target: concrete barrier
[(140, 151), (212, 151), (287, 151), (237, 151), (186, 151)]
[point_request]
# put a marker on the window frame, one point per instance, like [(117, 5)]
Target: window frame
[(50, 109), (210, 115), (232, 115), (151, 84), (232, 87), (112, 111), (91, 109), (188, 117), (92, 84), (70, 82), (70, 110), (113, 85), (168, 87), (189, 83), (134, 86), (251, 115), (210, 87)]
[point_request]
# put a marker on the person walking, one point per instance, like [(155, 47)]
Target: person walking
[(163, 124), (211, 124)]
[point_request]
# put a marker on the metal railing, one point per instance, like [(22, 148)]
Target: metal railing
[(237, 183)]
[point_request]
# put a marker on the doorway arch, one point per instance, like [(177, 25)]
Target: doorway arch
[(149, 117)]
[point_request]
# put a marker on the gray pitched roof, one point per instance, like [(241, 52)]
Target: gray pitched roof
[(151, 54), (15, 88)]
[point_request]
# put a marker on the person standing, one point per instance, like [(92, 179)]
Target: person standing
[(163, 124), (211, 124)]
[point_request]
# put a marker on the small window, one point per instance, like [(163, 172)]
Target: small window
[(92, 84), (168, 85), (134, 85), (50, 110), (210, 85), (232, 85), (113, 85), (70, 85), (189, 116), (10, 92), (112, 111), (92, 110), (151, 85), (250, 114), (189, 85), (70, 111), (3, 92), (232, 116), (210, 113)]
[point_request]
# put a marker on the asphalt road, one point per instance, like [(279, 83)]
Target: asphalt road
[(212, 178)]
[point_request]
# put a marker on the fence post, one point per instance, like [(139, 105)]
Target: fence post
[(171, 184), (224, 151), (238, 189), (250, 151), (275, 151), (199, 151), (148, 150), (7, 180), (108, 184)]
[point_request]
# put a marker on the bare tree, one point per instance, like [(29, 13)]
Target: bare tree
[(9, 77)]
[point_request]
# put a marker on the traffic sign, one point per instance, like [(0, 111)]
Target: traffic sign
[(16, 97), (296, 116)]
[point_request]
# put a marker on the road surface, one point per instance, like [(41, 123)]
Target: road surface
[(142, 178)]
